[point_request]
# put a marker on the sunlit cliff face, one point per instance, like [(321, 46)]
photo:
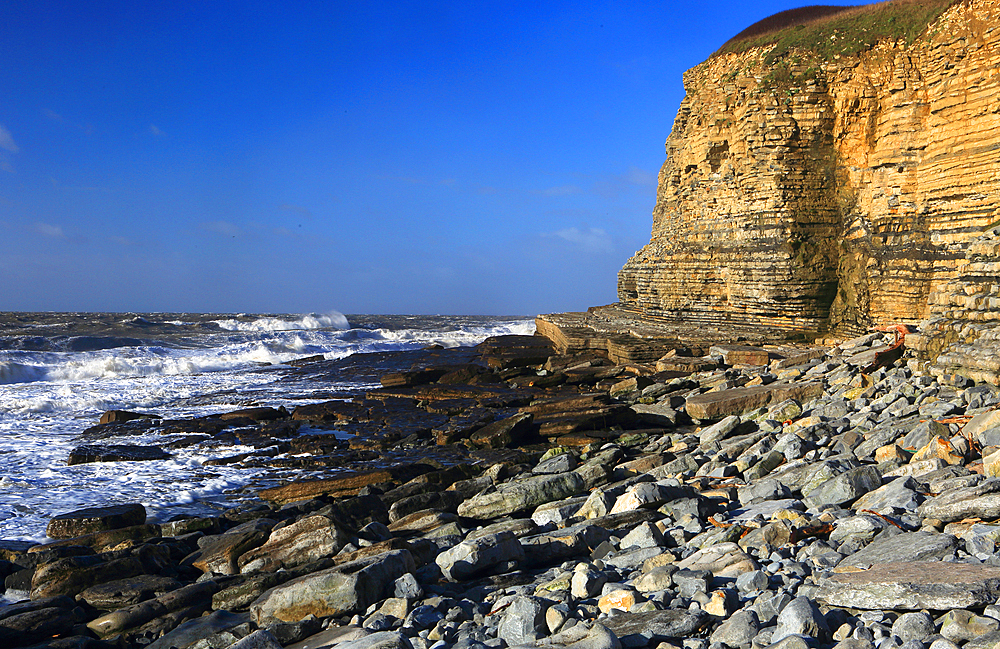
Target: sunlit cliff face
[(827, 194)]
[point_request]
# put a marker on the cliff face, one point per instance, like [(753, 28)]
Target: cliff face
[(831, 195)]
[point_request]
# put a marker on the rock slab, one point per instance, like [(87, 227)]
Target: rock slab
[(933, 585)]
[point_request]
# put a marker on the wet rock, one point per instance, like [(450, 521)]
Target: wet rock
[(121, 416), (240, 595), (37, 625), (141, 613), (503, 433), (107, 540), (115, 453), (124, 592), (348, 485), (95, 519), (72, 575), (256, 414)]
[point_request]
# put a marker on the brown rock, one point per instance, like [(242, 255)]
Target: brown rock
[(737, 401), (125, 592), (740, 354), (333, 487), (221, 552), (305, 540), (95, 519), (72, 575), (108, 540), (503, 433), (121, 416)]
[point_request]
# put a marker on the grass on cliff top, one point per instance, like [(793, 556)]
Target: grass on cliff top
[(829, 31)]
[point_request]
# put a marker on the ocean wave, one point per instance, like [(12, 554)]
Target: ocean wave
[(11, 372), (332, 320)]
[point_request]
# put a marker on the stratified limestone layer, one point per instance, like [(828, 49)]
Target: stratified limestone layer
[(827, 194), (630, 337)]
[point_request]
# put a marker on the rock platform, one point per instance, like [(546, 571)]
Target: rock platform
[(511, 495)]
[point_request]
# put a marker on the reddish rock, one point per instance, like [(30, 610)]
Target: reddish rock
[(121, 416)]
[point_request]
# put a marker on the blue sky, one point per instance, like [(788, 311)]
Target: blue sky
[(365, 157)]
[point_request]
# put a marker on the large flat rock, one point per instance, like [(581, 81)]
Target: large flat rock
[(913, 585), (909, 547), (641, 629), (737, 401)]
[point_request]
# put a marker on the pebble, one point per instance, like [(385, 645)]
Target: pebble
[(778, 525)]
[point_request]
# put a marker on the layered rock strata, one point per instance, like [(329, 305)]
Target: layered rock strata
[(827, 195)]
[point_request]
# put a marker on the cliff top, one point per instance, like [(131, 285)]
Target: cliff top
[(830, 31)]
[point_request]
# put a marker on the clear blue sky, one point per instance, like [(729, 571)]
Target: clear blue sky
[(366, 157)]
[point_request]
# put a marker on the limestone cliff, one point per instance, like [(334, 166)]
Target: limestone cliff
[(831, 194)]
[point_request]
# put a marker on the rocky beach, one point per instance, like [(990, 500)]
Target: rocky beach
[(508, 495), (785, 434)]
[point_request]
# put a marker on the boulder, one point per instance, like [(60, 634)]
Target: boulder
[(303, 541), (73, 575), (910, 546), (478, 555), (141, 613), (343, 590), (219, 553), (95, 519), (115, 453), (737, 401), (644, 629), (125, 592), (517, 496), (913, 585), (503, 433)]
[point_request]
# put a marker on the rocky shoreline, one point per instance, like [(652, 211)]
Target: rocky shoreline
[(511, 495)]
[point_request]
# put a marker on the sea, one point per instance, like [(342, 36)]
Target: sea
[(60, 371)]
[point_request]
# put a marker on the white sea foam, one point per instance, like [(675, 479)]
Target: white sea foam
[(48, 398), (332, 320)]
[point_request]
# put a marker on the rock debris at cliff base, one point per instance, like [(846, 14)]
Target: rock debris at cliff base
[(564, 500)]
